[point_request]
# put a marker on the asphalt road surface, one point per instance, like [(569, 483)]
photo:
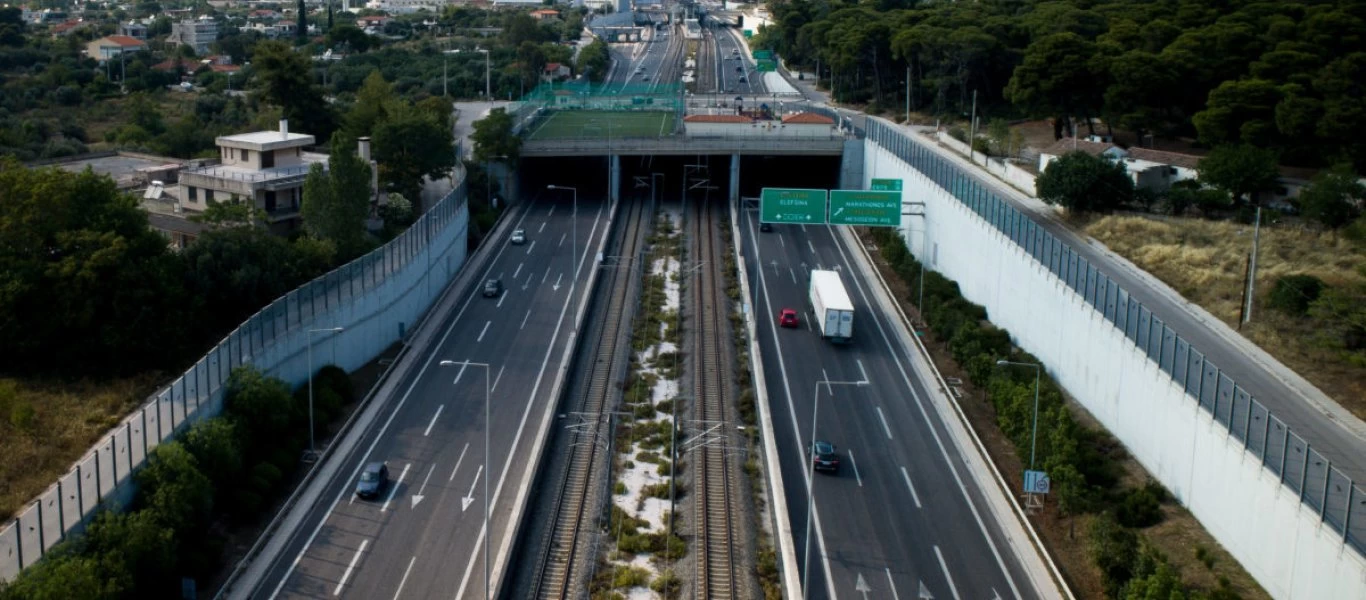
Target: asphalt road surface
[(903, 516), (423, 537)]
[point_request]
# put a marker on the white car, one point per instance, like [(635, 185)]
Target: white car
[(519, 236)]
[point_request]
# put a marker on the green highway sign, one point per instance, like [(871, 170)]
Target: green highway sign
[(871, 207), (784, 205), (763, 54), (765, 65), (749, 33), (886, 185)]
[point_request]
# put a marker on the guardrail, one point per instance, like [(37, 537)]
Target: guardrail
[(1310, 475)]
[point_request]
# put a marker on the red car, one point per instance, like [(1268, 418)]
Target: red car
[(787, 318)]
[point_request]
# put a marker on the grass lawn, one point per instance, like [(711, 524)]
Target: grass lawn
[(1205, 261), (569, 124)]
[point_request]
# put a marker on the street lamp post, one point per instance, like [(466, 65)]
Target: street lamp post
[(445, 61), (487, 97), (574, 233), (313, 447), (1034, 431), (924, 249), (811, 473), (488, 533)]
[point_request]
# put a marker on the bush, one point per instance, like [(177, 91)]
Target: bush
[(1115, 550), (1140, 508), (1293, 294)]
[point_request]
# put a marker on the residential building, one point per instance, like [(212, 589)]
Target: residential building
[(544, 13), (133, 29), (195, 33), (555, 72), (1066, 145), (113, 46), (1157, 170), (266, 168)]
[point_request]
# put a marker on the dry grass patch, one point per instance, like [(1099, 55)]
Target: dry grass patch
[(1205, 262), (46, 426)]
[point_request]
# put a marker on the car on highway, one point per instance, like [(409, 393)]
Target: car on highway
[(823, 456), (373, 479), (765, 227), (519, 236), (787, 318), (740, 69), (493, 287)]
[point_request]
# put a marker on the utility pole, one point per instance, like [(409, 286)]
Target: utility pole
[(908, 95), (1252, 269), (972, 125)]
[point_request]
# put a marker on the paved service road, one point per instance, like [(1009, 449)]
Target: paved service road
[(904, 513), (423, 538)]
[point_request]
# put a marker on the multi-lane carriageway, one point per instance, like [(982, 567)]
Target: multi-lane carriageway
[(909, 515)]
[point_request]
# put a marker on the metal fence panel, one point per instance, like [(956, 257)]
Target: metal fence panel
[(1132, 322), (1356, 518), (1090, 294), (1180, 363), (1223, 400), (1335, 505), (1296, 457), (1259, 424), (1168, 349), (1112, 312), (1144, 327), (1277, 439), (1316, 480)]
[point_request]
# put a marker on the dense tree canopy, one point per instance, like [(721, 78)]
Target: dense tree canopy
[(1085, 183), (1287, 76)]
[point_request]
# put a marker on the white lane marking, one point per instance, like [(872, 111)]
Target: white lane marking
[(781, 242), (528, 316), (461, 372), (562, 236), (531, 247), (350, 567), (546, 276), (501, 297), (434, 417), (811, 246), (808, 320), (394, 488), (905, 474), (497, 379), (405, 577), (526, 413), (861, 371), (422, 488), (484, 331), (519, 270), (552, 211), (854, 463), (465, 502), (891, 583), (934, 433), (793, 273), (355, 472), (945, 567), (458, 461), (542, 228), (885, 428)]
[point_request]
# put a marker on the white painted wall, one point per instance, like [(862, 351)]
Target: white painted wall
[(1280, 541)]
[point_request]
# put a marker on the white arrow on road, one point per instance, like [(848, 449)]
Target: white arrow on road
[(465, 502), (394, 489), (925, 592), (862, 586), (418, 496), (556, 287)]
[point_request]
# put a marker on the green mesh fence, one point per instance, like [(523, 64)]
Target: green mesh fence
[(586, 110), (578, 95)]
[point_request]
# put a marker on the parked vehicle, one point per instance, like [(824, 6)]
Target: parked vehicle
[(830, 304)]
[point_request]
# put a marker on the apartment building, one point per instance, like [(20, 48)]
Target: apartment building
[(266, 168)]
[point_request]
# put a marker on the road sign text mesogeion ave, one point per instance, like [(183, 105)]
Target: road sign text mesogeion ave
[(786, 205), (859, 207)]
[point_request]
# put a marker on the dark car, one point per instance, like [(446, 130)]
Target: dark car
[(765, 227), (493, 287), (787, 318), (739, 69), (823, 457), (373, 479)]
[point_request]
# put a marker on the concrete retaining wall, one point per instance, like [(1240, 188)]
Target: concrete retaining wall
[(376, 298), (1276, 504)]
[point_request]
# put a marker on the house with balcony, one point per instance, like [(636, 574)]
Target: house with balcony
[(265, 168), (113, 46)]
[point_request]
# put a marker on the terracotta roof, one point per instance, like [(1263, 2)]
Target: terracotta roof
[(225, 68), (66, 26), (806, 118), (717, 119), (1175, 159), (124, 41), (176, 64), (1066, 145), (545, 11), (551, 67)]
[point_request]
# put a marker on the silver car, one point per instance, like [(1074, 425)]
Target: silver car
[(519, 236)]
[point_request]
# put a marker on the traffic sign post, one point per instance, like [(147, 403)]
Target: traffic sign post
[(859, 207), (886, 185), (787, 205)]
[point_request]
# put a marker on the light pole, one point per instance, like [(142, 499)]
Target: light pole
[(574, 234), (487, 97), (1034, 431), (924, 249), (488, 533), (312, 447), (811, 472)]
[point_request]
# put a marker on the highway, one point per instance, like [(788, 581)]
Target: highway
[(903, 515), (735, 65), (656, 59), (424, 537)]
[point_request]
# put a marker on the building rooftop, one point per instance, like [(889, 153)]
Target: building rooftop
[(265, 140), (1175, 159), (1065, 145), (717, 119), (124, 41), (806, 118)]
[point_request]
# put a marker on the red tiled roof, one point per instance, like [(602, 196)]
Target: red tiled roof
[(545, 11), (175, 64), (125, 41), (806, 118), (225, 68), (551, 67), (717, 119), (66, 26)]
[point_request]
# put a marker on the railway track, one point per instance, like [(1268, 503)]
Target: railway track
[(561, 571), (713, 509)]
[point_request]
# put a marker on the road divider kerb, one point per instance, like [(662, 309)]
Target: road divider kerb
[(1037, 564)]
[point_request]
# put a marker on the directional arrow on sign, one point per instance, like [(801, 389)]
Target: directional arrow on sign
[(862, 586), (418, 496), (837, 212), (465, 502)]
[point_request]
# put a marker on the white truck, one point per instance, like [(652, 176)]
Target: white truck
[(833, 311)]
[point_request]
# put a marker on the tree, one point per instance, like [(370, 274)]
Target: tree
[(172, 487), (594, 61), (1241, 170), (214, 445), (1240, 111), (493, 137), (348, 38), (260, 407), (1333, 198), (234, 271), (283, 77), (411, 144), (1085, 183), (1057, 78), (371, 106), (337, 200)]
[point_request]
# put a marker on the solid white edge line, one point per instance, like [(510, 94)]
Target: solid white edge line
[(528, 316), (942, 565), (910, 486), (428, 432), (458, 461), (351, 567), (881, 417), (892, 584), (854, 463), (405, 577)]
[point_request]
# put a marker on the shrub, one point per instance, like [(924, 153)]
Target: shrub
[(1293, 294), (1115, 550), (1140, 508)]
